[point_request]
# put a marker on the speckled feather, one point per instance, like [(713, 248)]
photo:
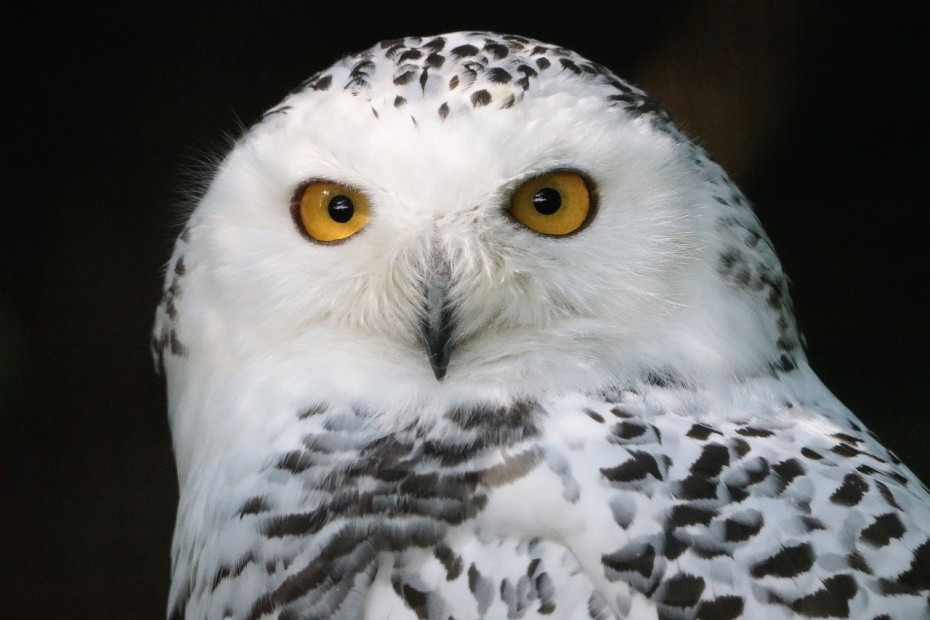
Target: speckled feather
[(628, 427)]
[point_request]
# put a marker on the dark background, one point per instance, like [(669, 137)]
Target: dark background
[(818, 110)]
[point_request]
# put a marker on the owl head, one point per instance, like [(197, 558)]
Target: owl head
[(460, 215)]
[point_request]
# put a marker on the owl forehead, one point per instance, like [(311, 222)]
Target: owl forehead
[(457, 73), (456, 108)]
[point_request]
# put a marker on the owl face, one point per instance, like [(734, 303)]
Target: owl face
[(442, 234), (467, 215)]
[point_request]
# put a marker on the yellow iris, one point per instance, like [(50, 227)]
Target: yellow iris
[(557, 203), (330, 211)]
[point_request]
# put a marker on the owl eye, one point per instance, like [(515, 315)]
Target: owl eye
[(328, 211), (556, 203)]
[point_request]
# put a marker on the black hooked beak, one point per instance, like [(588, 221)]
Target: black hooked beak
[(436, 322)]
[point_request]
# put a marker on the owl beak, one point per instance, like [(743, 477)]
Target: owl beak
[(436, 322)]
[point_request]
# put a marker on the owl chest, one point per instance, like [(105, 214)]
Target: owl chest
[(481, 539)]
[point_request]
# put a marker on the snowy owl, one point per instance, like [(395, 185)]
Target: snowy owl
[(466, 328)]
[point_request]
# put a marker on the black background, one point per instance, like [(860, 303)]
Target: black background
[(818, 110)]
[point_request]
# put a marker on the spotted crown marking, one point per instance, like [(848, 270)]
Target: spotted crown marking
[(482, 69)]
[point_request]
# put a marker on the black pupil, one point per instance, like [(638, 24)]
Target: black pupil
[(341, 209), (547, 201)]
